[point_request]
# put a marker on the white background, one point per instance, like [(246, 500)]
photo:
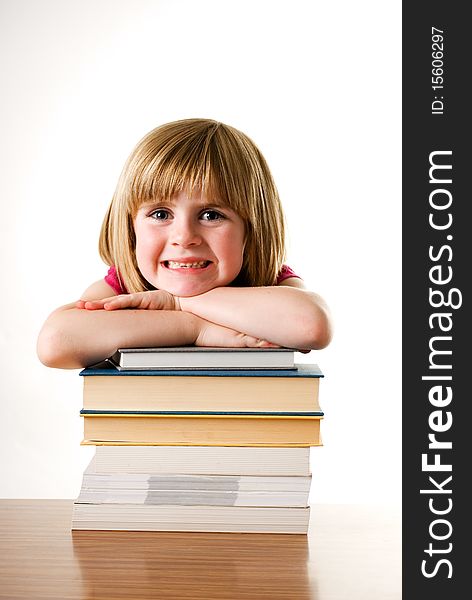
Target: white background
[(315, 84)]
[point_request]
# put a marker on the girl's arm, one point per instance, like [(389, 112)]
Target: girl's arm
[(73, 338), (286, 315)]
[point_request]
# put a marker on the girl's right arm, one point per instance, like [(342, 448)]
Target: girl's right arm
[(73, 338)]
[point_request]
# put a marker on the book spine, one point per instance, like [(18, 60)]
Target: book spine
[(196, 414)]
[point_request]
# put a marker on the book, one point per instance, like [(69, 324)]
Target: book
[(198, 449), (198, 357), (148, 517), (200, 460), (106, 388), (201, 429), (179, 489)]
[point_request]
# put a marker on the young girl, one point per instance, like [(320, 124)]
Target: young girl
[(194, 238)]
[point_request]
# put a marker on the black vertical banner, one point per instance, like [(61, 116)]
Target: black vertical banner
[(437, 329)]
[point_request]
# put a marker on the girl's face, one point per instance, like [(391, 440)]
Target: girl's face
[(189, 245)]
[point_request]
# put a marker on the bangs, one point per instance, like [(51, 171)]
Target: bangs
[(209, 158)]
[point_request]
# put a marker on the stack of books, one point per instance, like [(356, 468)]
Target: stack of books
[(199, 439)]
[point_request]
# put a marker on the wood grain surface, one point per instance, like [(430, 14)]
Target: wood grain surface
[(351, 552)]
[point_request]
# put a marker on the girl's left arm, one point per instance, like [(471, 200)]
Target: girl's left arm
[(287, 314)]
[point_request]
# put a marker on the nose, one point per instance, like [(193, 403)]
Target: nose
[(185, 233)]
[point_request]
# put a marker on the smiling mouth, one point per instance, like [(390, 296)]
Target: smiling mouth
[(172, 264)]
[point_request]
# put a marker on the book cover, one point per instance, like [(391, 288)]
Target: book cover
[(199, 357)]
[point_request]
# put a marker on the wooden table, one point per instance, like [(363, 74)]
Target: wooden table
[(351, 552)]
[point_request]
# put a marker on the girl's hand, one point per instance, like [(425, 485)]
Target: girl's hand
[(211, 334), (151, 300)]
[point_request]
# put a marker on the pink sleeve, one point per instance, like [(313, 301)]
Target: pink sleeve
[(112, 279), (285, 273)]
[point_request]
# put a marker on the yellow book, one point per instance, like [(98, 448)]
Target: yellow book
[(201, 430)]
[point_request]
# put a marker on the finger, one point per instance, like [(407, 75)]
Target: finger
[(103, 303), (117, 303), (96, 304), (266, 344), (89, 305), (142, 300), (138, 300), (251, 342)]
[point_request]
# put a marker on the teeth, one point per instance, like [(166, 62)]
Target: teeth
[(179, 265)]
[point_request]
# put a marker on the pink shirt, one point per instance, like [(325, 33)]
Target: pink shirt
[(112, 278)]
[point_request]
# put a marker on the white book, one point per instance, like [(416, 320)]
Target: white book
[(178, 489), (205, 358), (202, 460), (147, 517)]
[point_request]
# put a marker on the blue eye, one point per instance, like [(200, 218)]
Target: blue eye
[(160, 214), (211, 215)]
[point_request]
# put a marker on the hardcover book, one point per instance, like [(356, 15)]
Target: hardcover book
[(221, 391), (204, 429), (198, 357)]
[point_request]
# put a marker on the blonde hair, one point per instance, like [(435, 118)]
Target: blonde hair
[(222, 162)]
